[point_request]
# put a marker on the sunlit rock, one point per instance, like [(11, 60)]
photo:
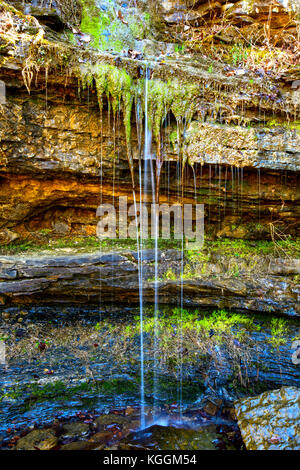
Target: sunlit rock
[(271, 420)]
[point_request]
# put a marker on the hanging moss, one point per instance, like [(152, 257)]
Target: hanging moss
[(122, 90), (159, 98), (184, 99)]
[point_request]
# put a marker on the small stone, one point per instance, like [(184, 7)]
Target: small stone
[(107, 420), (212, 408), (20, 333), (296, 84), (229, 413), (48, 444), (61, 228), (129, 411), (240, 72), (101, 437), (131, 426), (6, 316)]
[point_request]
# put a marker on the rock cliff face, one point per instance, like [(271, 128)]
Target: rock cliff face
[(51, 161), (71, 120)]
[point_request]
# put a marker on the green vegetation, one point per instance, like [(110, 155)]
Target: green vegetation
[(197, 340), (220, 321), (109, 30), (35, 392), (95, 23), (246, 248), (228, 247), (61, 391), (238, 54), (162, 96), (199, 335)]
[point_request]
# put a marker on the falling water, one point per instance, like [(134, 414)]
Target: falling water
[(242, 188), (180, 194), (220, 196), (195, 183), (259, 193), (237, 190), (209, 194), (144, 187), (140, 275), (225, 192), (143, 182), (156, 234), (101, 201)]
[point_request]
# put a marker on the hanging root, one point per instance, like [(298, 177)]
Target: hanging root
[(27, 75)]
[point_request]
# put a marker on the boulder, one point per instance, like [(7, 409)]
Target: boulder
[(271, 420)]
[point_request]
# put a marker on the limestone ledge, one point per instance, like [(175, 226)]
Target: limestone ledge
[(270, 288), (69, 138), (245, 147)]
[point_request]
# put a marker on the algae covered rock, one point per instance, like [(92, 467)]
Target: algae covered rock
[(271, 420)]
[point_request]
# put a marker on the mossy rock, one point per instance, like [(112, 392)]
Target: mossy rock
[(39, 439)]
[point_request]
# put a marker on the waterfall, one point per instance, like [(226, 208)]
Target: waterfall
[(147, 182), (143, 183)]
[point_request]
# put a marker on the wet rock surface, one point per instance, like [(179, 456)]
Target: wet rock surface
[(270, 286), (38, 440), (271, 420), (51, 154), (230, 112), (53, 163), (192, 432), (66, 362), (169, 438)]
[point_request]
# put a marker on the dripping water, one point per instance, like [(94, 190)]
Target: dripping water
[(143, 184), (225, 192), (259, 192)]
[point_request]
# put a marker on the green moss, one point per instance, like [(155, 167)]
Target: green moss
[(118, 87), (226, 246), (140, 26), (288, 125), (108, 31), (122, 90), (158, 104), (170, 275), (35, 392)]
